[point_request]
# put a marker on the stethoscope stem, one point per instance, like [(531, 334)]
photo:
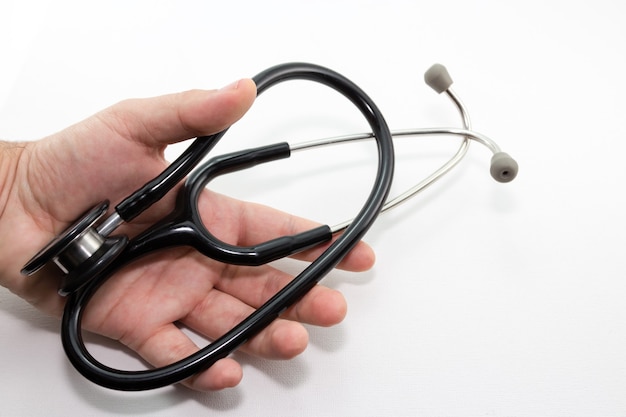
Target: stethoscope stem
[(110, 224)]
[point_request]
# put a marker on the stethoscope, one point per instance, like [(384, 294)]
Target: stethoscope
[(88, 254)]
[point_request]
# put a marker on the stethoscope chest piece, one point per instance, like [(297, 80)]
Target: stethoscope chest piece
[(81, 252)]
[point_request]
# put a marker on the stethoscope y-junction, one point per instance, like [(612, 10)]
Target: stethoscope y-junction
[(89, 252)]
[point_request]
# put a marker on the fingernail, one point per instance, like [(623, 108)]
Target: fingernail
[(231, 86)]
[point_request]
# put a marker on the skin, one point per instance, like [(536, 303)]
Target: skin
[(45, 185)]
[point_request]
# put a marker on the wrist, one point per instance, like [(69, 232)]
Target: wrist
[(9, 156), (10, 153)]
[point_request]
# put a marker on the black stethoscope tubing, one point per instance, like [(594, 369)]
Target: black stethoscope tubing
[(77, 301)]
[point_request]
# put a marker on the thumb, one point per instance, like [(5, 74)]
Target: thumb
[(171, 118)]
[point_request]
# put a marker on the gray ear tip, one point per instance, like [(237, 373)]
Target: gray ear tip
[(438, 78), (503, 167)]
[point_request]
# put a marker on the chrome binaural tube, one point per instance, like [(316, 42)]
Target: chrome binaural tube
[(503, 168)]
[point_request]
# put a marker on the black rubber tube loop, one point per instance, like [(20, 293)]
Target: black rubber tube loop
[(106, 376)]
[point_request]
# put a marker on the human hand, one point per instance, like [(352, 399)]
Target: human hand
[(46, 185)]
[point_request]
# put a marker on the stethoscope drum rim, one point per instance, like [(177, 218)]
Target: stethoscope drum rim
[(61, 242)]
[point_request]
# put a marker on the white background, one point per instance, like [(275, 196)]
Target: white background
[(486, 299)]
